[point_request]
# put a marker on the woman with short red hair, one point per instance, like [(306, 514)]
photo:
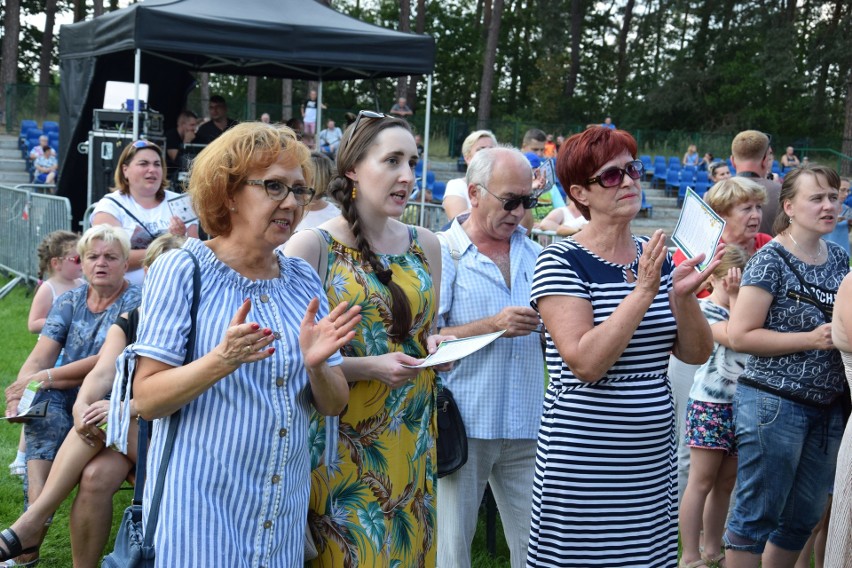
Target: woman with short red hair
[(605, 467)]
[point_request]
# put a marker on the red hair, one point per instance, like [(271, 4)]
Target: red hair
[(582, 154)]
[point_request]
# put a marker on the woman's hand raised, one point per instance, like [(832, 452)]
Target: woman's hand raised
[(686, 280), (244, 342), (651, 263), (319, 340)]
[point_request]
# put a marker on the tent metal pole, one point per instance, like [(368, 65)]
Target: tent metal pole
[(319, 115), (137, 72), (425, 149)]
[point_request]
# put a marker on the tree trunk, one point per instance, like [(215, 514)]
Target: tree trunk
[(490, 58), (846, 145), (45, 59), (97, 8), (576, 31), (9, 64), (404, 26), (621, 72), (818, 115), (79, 10), (286, 99), (204, 85), (419, 27), (251, 98), (486, 19)]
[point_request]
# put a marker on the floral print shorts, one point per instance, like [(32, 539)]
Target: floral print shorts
[(710, 425)]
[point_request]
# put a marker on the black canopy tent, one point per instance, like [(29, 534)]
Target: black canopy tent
[(158, 42)]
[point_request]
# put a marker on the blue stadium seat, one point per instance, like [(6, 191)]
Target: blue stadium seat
[(53, 140), (776, 167), (672, 180), (50, 126), (430, 180), (681, 191), (687, 173), (701, 188), (646, 207), (701, 176), (674, 161), (418, 169), (659, 175)]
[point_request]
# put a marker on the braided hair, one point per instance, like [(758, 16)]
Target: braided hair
[(352, 150)]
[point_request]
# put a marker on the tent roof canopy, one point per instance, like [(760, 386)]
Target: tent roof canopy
[(299, 39)]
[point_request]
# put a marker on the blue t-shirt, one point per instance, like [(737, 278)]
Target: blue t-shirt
[(82, 333), (814, 376)]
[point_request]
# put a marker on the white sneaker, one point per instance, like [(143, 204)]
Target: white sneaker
[(18, 468)]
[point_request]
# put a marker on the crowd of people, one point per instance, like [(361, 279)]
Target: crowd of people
[(631, 397)]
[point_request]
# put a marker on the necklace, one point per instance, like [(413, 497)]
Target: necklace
[(813, 258)]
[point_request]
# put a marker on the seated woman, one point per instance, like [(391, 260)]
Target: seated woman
[(78, 323), (565, 220), (456, 201), (691, 158), (83, 451)]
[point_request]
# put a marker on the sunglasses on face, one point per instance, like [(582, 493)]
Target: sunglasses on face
[(611, 177), (511, 203), (73, 259), (361, 114), (277, 190)]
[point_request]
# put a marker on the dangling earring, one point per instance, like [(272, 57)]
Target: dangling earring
[(354, 192)]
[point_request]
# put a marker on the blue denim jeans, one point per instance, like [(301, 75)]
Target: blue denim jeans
[(787, 457), (45, 435)]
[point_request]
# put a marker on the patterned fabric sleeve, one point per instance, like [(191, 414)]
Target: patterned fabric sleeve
[(763, 270), (59, 318)]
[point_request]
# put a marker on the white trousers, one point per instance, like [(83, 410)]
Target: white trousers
[(509, 467), (681, 376)]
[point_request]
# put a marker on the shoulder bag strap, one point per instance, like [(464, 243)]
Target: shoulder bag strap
[(132, 216), (804, 293), (151, 526)]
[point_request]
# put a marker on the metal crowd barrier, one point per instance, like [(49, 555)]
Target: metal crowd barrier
[(434, 217), (545, 238), (26, 217)]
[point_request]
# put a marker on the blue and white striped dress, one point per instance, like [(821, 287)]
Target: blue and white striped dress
[(236, 491), (605, 486)]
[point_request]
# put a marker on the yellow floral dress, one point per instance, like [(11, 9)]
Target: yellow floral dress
[(373, 473)]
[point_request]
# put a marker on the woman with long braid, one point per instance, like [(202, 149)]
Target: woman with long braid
[(373, 481)]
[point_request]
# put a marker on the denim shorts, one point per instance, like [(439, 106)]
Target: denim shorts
[(787, 457), (45, 435), (710, 426)]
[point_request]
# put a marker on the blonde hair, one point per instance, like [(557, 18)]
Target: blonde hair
[(222, 168), (106, 233), (472, 138), (728, 193), (734, 257), (750, 145), (163, 243)]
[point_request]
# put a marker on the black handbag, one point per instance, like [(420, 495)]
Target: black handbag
[(452, 437), (134, 547)]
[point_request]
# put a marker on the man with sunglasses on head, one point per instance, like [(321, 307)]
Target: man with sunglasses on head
[(487, 269), (751, 155)]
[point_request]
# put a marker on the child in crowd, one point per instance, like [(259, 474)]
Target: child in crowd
[(710, 425), (60, 271)]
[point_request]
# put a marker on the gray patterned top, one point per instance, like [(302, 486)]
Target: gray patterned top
[(812, 376)]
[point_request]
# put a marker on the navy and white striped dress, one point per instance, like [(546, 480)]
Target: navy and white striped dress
[(236, 491), (605, 488)]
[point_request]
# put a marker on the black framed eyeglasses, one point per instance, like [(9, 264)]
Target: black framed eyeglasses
[(277, 190), (511, 203), (361, 114), (612, 177)]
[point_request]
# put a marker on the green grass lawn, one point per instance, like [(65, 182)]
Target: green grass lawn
[(15, 345)]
